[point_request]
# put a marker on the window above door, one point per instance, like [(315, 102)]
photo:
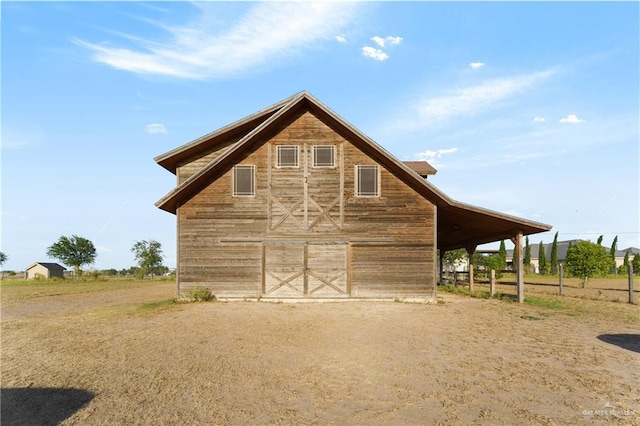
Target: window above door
[(287, 156), (324, 156)]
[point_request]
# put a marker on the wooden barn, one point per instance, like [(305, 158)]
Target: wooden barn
[(294, 202)]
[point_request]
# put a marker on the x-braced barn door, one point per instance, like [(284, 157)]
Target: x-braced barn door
[(305, 270), (308, 197)]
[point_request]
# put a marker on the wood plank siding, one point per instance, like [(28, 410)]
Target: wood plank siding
[(304, 233)]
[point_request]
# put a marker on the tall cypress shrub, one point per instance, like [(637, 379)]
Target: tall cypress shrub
[(542, 259), (554, 255), (527, 255)]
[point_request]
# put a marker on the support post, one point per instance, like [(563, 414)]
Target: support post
[(440, 268), (630, 272), (492, 283), (520, 270), (560, 276), (470, 250)]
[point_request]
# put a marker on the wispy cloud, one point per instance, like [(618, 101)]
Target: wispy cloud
[(433, 157), (372, 52), (382, 41), (379, 54), (266, 34), (156, 129), (539, 119), (465, 101), (341, 39), (476, 65), (571, 119)]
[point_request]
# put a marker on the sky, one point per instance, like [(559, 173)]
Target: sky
[(529, 109)]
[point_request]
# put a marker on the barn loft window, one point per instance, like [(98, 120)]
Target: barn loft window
[(244, 181), (324, 156), (286, 156), (367, 181)]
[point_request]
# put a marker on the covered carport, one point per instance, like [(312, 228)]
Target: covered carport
[(464, 226)]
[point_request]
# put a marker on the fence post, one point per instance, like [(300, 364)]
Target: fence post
[(455, 278), (630, 272), (492, 283), (560, 275)]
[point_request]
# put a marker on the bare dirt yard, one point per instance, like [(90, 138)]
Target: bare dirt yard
[(130, 355)]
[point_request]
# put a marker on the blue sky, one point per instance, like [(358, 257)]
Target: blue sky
[(529, 109)]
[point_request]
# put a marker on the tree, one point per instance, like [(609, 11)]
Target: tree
[(149, 256), (3, 260), (636, 264), (75, 251), (586, 259), (527, 255), (542, 259), (453, 258), (612, 254), (600, 240), (502, 254), (554, 255), (492, 262)]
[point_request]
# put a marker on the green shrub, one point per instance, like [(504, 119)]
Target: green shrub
[(200, 294)]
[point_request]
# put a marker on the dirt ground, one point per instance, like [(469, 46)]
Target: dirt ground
[(118, 357)]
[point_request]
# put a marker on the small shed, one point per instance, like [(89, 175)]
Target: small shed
[(44, 270)]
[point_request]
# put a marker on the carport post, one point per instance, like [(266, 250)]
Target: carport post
[(470, 249), (440, 269), (520, 270)]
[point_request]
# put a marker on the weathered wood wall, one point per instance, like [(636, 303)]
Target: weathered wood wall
[(305, 233)]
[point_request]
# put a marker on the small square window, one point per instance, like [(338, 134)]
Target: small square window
[(367, 181), (244, 181), (287, 156), (324, 156)]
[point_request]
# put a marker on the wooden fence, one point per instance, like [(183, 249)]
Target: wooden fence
[(606, 289)]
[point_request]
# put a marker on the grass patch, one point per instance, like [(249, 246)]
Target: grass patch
[(158, 304), (26, 289), (544, 302)]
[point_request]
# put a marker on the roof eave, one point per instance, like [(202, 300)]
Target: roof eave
[(170, 160)]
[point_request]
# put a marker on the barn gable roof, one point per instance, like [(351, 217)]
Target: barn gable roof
[(459, 224)]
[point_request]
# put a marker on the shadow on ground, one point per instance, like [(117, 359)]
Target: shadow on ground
[(630, 342), (40, 406)]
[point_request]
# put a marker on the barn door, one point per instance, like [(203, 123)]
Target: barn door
[(305, 270), (284, 270)]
